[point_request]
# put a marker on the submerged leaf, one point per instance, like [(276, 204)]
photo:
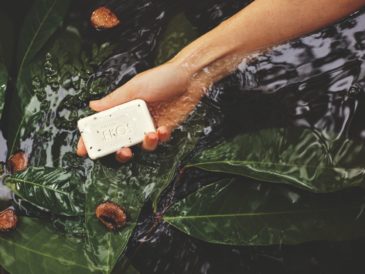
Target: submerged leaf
[(42, 21), (293, 156), (51, 189), (238, 212), (39, 249)]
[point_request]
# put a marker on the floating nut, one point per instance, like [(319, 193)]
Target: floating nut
[(111, 215), (18, 162), (8, 220), (104, 18)]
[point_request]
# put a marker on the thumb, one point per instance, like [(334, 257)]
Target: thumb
[(119, 96)]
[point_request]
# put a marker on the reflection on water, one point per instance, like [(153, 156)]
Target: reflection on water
[(316, 82)]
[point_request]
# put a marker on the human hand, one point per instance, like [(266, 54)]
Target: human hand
[(170, 95)]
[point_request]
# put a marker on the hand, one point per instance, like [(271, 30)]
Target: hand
[(170, 95)]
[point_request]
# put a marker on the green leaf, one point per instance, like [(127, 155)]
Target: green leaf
[(51, 189), (294, 156), (43, 19), (130, 186), (3, 84), (7, 39), (36, 248), (6, 54), (237, 212), (179, 32)]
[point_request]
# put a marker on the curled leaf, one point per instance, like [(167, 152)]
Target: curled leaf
[(18, 162), (111, 215), (104, 18), (8, 220)]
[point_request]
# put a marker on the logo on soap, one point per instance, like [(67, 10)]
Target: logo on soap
[(116, 132)]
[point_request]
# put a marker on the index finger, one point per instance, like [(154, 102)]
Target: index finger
[(119, 96)]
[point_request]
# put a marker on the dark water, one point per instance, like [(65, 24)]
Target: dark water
[(316, 82)]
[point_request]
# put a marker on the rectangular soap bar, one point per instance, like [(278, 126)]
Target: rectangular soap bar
[(121, 126)]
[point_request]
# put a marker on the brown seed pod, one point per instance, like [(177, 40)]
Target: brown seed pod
[(8, 220), (111, 215), (18, 162), (104, 18)]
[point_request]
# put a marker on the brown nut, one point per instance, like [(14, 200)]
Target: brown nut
[(104, 18), (18, 162), (111, 215), (8, 220)]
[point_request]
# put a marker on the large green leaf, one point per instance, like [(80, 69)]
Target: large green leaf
[(7, 39), (238, 212), (3, 83), (41, 22), (294, 156), (36, 248), (6, 53), (130, 186), (54, 190), (43, 19)]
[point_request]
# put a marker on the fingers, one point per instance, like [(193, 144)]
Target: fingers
[(164, 133), (121, 95), (150, 141), (123, 155), (81, 149)]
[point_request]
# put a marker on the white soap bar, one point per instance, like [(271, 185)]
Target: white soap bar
[(121, 126)]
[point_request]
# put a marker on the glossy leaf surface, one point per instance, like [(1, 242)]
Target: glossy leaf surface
[(293, 156), (54, 190), (35, 247), (6, 53), (241, 212), (41, 22)]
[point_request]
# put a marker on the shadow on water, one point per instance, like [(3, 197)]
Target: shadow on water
[(316, 82)]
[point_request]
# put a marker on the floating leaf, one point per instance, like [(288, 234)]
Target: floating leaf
[(293, 156), (51, 189), (242, 212)]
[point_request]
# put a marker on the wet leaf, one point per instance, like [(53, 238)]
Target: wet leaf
[(3, 83), (293, 156), (7, 39), (39, 249), (243, 212), (43, 19), (6, 53), (130, 186), (50, 189), (179, 33)]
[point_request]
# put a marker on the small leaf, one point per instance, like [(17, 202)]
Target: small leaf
[(51, 189), (293, 156), (237, 212)]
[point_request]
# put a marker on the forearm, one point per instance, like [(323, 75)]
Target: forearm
[(262, 24)]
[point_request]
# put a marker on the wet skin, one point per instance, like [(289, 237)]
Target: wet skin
[(173, 89)]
